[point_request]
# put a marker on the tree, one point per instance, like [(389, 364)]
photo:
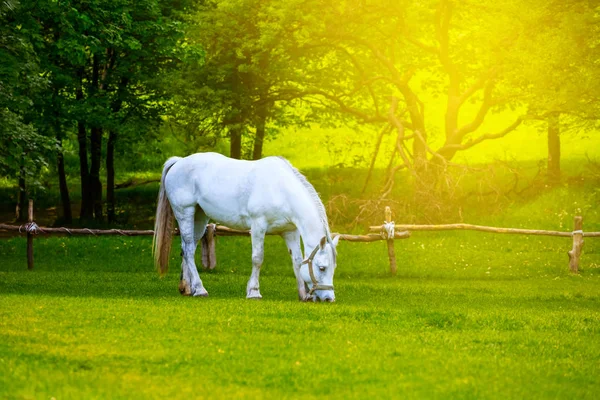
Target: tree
[(558, 71), (385, 62), (247, 58), (23, 150), (102, 60)]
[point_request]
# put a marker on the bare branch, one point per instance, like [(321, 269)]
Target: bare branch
[(400, 128), (488, 136), (429, 149), (290, 94), (387, 189), (386, 129)]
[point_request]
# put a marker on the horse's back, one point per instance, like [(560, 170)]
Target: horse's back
[(230, 191)]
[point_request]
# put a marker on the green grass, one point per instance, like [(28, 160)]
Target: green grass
[(469, 316)]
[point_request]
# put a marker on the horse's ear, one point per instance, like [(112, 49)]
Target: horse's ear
[(335, 240), (323, 242)]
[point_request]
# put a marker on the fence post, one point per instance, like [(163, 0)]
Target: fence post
[(209, 254), (390, 243), (30, 236), (577, 244)]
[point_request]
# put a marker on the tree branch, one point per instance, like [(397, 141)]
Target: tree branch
[(400, 128), (292, 94), (488, 136), (480, 117), (423, 46), (479, 84), (386, 129), (396, 77)]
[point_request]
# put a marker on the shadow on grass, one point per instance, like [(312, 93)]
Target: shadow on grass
[(133, 285), (398, 293)]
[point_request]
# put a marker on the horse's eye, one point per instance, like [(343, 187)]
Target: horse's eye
[(322, 268)]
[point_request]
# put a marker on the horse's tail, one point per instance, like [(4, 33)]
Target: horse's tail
[(163, 226)]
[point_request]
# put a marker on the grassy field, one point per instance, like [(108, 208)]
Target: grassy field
[(468, 316)]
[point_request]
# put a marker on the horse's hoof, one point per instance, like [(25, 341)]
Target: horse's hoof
[(184, 288), (253, 294), (201, 292), (308, 298)]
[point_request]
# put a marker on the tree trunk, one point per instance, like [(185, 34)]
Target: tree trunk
[(418, 123), (95, 183), (84, 174), (110, 176), (96, 148), (60, 162), (62, 184), (22, 201), (87, 208), (110, 154), (260, 133), (554, 148), (235, 145)]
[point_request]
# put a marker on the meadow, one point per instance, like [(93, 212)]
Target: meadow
[(469, 315)]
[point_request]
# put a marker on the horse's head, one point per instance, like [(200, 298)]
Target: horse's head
[(320, 267)]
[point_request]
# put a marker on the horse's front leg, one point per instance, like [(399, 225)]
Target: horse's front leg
[(292, 240), (257, 232)]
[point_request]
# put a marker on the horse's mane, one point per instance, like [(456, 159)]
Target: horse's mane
[(313, 194)]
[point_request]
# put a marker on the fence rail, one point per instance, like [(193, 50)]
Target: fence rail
[(388, 232), (219, 230), (31, 229), (577, 234), (490, 229)]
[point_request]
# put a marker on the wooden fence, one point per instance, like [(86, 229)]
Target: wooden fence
[(388, 232), (31, 229), (577, 234)]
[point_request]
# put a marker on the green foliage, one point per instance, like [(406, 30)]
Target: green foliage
[(133, 45), (558, 60), (22, 149)]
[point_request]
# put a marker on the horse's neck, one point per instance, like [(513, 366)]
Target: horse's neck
[(311, 227)]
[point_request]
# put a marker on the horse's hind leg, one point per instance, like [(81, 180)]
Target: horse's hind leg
[(200, 221), (190, 280), (257, 232)]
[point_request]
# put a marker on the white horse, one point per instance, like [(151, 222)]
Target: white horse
[(264, 196)]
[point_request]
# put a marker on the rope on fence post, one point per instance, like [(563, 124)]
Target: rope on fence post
[(31, 227), (575, 253), (388, 227)]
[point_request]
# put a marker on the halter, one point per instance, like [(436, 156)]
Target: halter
[(316, 285)]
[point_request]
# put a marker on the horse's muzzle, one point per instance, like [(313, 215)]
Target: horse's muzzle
[(326, 299)]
